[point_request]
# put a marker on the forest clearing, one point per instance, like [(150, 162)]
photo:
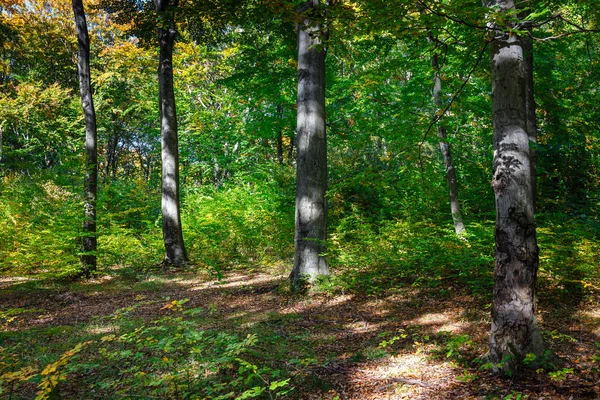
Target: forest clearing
[(406, 343)]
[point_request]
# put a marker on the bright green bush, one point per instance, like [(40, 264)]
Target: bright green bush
[(39, 226), (372, 258), (249, 222)]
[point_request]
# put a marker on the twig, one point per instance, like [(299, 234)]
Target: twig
[(580, 29), (454, 19)]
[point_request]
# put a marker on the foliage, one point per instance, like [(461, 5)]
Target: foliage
[(39, 226), (168, 357), (249, 223), (400, 254)]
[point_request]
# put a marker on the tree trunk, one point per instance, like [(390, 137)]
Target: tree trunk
[(290, 151), (527, 44), (311, 144), (171, 215), (514, 332), (89, 245), (459, 226), (280, 136), (111, 153)]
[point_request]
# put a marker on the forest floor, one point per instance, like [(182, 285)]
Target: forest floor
[(409, 343)]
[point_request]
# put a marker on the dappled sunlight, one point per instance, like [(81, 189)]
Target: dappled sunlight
[(406, 376), (316, 305), (363, 327), (441, 322), (409, 345), (99, 330), (231, 281), (7, 281), (593, 315)]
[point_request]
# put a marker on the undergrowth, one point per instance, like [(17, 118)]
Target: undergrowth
[(122, 357)]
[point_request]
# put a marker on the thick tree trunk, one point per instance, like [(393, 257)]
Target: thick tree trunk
[(311, 170), (514, 332), (459, 226), (527, 44), (88, 258), (171, 215)]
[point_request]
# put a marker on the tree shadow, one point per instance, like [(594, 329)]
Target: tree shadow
[(405, 343)]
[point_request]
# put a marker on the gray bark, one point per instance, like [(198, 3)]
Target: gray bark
[(311, 145), (514, 331), (89, 242), (459, 226), (171, 214), (527, 44)]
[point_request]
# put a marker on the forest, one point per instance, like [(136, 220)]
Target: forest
[(304, 199)]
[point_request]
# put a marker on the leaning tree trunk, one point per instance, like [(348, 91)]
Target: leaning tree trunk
[(514, 332), (171, 215), (311, 144), (88, 257), (459, 226)]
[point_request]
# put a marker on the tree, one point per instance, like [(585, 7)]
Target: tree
[(311, 143), (88, 258), (530, 107), (459, 226), (514, 332), (171, 215)]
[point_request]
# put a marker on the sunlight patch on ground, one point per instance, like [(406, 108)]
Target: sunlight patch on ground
[(406, 376), (98, 280), (339, 300), (98, 330), (316, 306), (9, 280), (378, 308), (440, 322), (594, 315), (362, 327), (230, 282)]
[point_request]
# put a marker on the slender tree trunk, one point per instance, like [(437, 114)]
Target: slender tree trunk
[(280, 137), (88, 258), (514, 332), (111, 153), (171, 215), (459, 226), (290, 151), (311, 169)]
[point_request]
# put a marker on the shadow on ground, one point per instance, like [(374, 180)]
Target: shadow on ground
[(407, 343)]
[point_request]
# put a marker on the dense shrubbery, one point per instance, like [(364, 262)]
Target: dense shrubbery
[(249, 223)]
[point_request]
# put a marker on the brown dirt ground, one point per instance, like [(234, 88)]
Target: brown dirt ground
[(343, 328)]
